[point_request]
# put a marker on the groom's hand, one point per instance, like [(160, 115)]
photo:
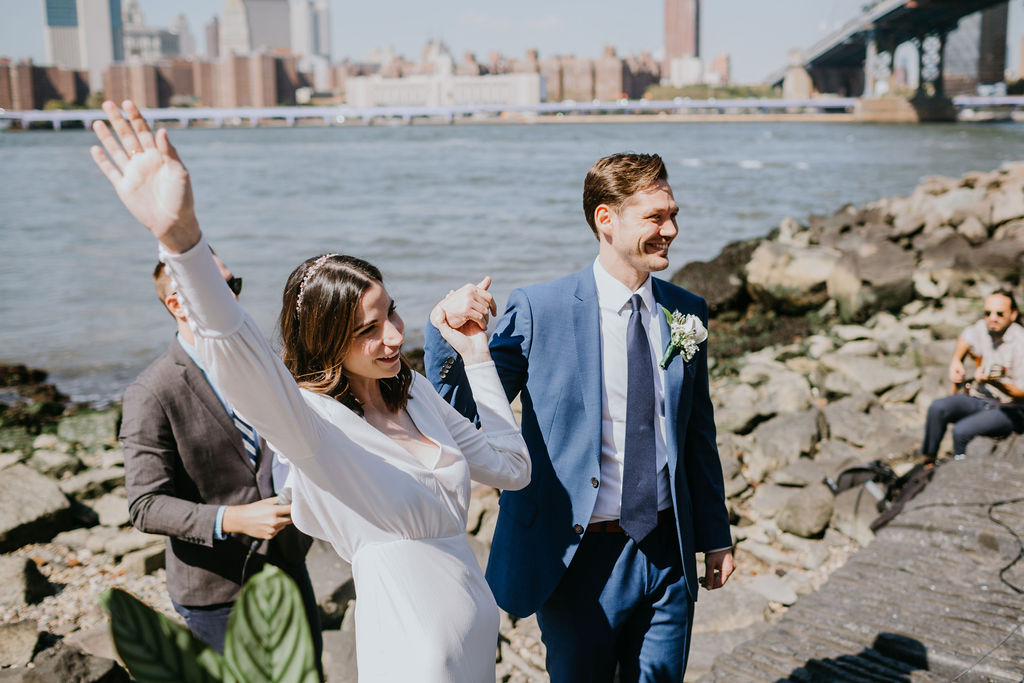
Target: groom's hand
[(461, 318), (468, 308), (718, 567)]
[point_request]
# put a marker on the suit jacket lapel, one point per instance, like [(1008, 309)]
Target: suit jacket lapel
[(200, 387), (675, 375), (586, 331)]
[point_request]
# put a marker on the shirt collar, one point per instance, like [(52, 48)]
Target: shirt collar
[(614, 295), (189, 350)]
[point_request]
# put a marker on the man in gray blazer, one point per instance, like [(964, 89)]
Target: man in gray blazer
[(199, 475)]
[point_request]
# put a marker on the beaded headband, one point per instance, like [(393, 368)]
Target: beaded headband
[(309, 274)]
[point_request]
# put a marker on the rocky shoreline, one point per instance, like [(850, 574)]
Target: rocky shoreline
[(829, 337)]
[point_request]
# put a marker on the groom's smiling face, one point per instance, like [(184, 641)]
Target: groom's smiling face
[(640, 231)]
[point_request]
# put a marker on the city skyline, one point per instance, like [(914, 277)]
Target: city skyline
[(574, 27)]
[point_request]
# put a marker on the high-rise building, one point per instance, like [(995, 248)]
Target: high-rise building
[(84, 34), (186, 41), (212, 30), (682, 30), (255, 25), (311, 39)]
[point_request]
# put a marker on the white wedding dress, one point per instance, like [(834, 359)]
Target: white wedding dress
[(424, 611)]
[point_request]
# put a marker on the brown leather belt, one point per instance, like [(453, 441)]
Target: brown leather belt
[(612, 526)]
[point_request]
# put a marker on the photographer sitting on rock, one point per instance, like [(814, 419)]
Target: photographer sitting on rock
[(992, 401)]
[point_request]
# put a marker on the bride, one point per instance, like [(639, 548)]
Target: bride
[(380, 464)]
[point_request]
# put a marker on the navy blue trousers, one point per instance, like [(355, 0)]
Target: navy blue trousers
[(971, 416), (620, 604)]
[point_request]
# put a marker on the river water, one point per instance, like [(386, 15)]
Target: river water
[(432, 206)]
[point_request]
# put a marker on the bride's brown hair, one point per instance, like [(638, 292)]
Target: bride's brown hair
[(319, 309)]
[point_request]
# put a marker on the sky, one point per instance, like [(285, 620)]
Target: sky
[(756, 33)]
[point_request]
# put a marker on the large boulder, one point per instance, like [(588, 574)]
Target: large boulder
[(22, 581), (68, 663), (783, 439), (18, 642), (871, 375), (91, 428), (720, 280), (807, 511), (874, 277), (788, 278), (32, 507)]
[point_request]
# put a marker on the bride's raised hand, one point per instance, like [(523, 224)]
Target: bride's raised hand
[(147, 175)]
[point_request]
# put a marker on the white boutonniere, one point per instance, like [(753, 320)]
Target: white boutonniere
[(686, 332)]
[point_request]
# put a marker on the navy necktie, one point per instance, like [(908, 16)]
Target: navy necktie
[(639, 513)]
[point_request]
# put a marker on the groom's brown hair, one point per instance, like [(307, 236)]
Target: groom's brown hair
[(614, 179)]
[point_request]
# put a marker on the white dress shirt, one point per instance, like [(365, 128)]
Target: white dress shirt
[(613, 305)]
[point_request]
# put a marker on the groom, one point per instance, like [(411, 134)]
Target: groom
[(627, 484)]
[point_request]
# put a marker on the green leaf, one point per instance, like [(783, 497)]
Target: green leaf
[(268, 637), (155, 648)]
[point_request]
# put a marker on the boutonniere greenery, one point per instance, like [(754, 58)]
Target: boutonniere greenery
[(686, 332)]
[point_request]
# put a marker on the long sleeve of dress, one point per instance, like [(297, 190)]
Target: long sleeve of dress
[(496, 453), (239, 359)]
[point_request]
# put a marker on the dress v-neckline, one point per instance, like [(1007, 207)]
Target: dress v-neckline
[(426, 440)]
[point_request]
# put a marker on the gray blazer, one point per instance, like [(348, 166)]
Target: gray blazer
[(183, 459)]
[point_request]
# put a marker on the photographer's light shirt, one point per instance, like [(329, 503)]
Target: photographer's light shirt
[(1009, 354)]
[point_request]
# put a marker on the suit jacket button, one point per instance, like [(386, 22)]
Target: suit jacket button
[(578, 528), (594, 482)]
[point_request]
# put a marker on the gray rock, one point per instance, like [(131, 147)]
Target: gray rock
[(93, 483), (339, 658), (973, 230), (112, 509), (93, 428), (94, 641), (904, 393), (1007, 205), (728, 609), (118, 542), (706, 647), (837, 385), (142, 562), (782, 440), (736, 408), (32, 507), (22, 581), (773, 588), (54, 463), (75, 539), (768, 499), (849, 333), (332, 582), (786, 392), (15, 438), (66, 662), (854, 511), (791, 279), (807, 511), (861, 347), (8, 459), (834, 454), (876, 277), (812, 554), (870, 375), (18, 642), (721, 279), (772, 557), (801, 473), (848, 425), (48, 442)]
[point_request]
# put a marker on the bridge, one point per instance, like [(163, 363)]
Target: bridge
[(335, 115), (859, 54)]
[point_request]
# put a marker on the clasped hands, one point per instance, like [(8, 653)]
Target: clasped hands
[(461, 318)]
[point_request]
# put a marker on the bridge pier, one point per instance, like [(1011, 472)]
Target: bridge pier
[(929, 103)]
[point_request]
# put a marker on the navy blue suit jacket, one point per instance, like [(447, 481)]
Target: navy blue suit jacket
[(547, 350)]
